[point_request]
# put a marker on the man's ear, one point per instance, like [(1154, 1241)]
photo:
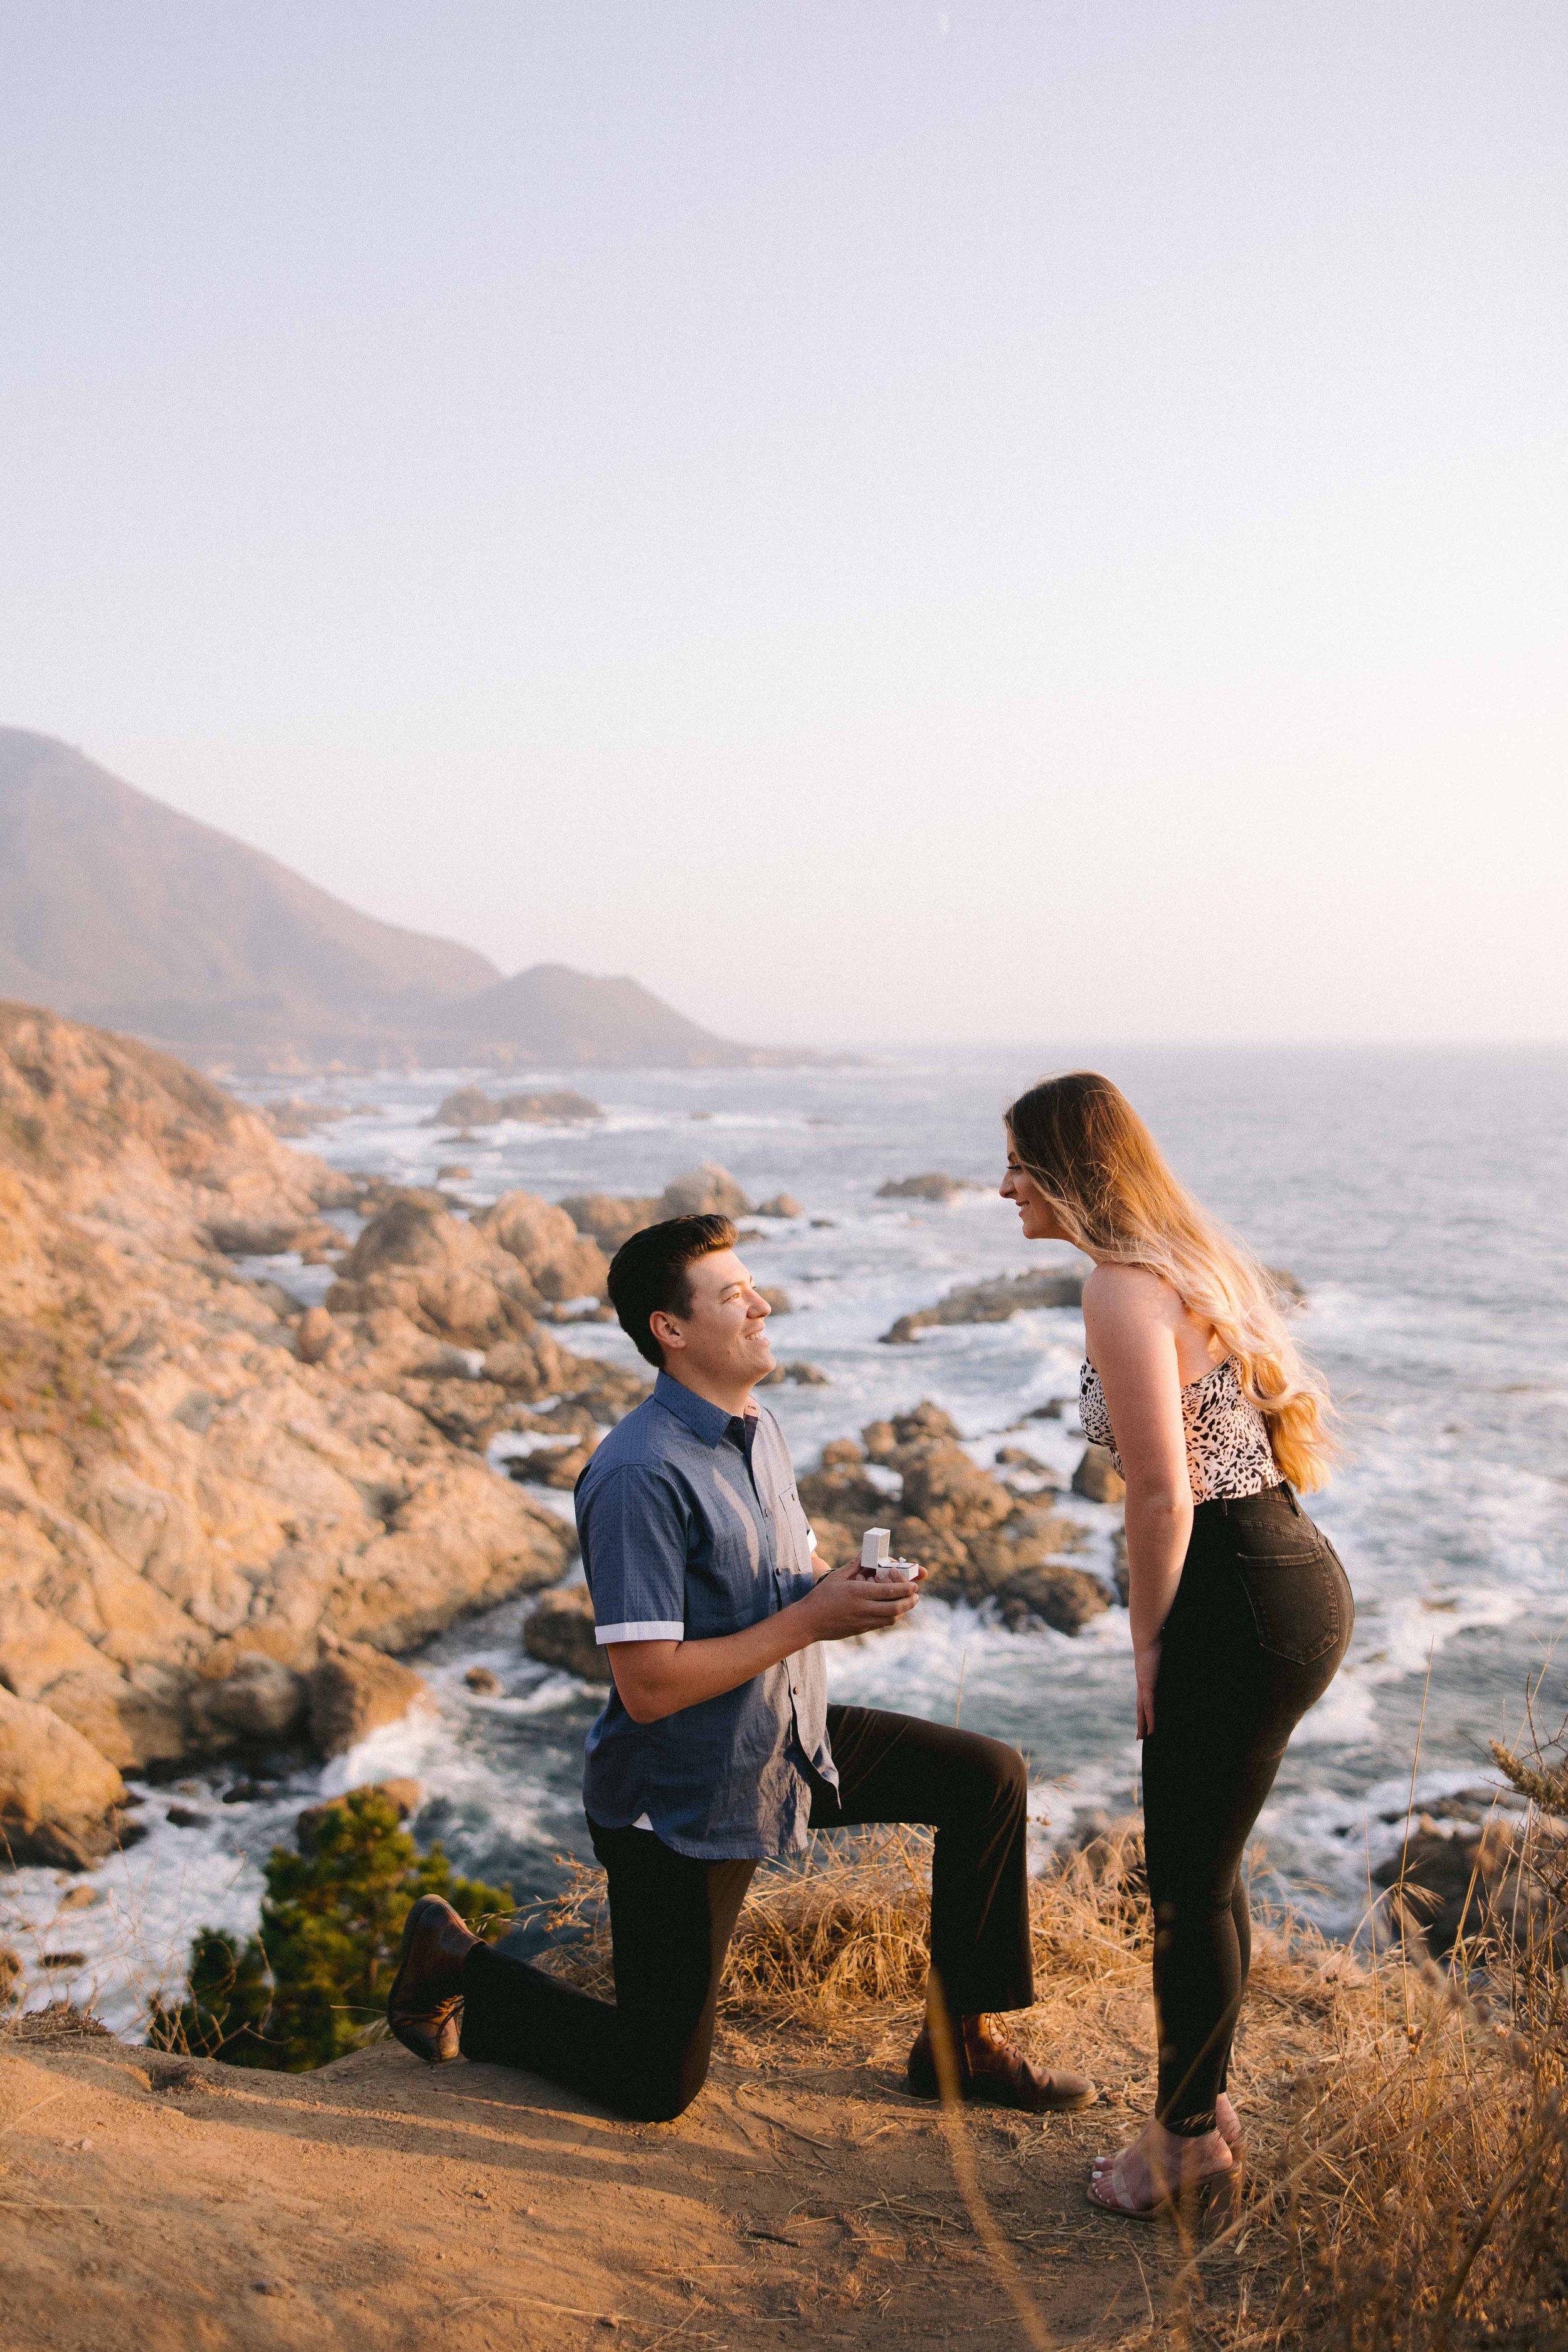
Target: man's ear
[(665, 1330)]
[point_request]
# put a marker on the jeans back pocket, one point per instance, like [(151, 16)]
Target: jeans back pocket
[(1295, 1599)]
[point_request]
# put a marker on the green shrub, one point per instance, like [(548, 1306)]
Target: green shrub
[(303, 1990)]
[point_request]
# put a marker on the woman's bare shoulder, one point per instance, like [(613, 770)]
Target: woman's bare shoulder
[(1121, 1296)]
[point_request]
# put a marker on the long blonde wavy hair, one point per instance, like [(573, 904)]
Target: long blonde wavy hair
[(1080, 1140)]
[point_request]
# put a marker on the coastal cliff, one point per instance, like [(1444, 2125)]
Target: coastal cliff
[(207, 1493)]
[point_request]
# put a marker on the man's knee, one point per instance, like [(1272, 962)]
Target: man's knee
[(667, 2075), (993, 1775), (1007, 1772), (662, 2093)]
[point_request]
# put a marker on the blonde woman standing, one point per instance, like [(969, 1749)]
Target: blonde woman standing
[(1239, 1607)]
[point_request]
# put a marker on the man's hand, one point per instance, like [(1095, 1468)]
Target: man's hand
[(846, 1603), (658, 1679)]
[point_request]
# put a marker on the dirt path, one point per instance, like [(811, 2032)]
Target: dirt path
[(155, 2203)]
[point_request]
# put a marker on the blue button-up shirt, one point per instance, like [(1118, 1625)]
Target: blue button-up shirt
[(692, 1528)]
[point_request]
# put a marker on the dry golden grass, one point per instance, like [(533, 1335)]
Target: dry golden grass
[(1407, 2125), (823, 1942), (1419, 2196)]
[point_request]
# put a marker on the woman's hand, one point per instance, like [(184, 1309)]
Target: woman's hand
[(1146, 1665)]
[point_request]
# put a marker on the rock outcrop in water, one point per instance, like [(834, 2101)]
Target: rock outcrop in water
[(933, 1186), (989, 1302), (557, 1107), (706, 1192), (978, 1539), (205, 1493)]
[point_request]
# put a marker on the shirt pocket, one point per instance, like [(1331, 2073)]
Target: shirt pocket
[(796, 1555), (1299, 1598)]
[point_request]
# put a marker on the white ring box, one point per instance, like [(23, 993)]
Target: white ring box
[(875, 1562)]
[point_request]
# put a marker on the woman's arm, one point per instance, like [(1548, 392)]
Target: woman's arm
[(1131, 1319), (658, 1679)]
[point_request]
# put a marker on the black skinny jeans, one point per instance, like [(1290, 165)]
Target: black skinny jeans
[(671, 1918), (1261, 1620)]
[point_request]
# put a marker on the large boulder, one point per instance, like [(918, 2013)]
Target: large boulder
[(445, 1276), (260, 1702), (1477, 1882), (527, 1367), (354, 1691), (883, 1438), (932, 1186), (468, 1107), (558, 1261), (610, 1218), (135, 1724), (557, 1107), (59, 1797), (469, 1412), (844, 1493), (1097, 1478), (945, 1489), (706, 1192), (1055, 1594), (560, 1633)]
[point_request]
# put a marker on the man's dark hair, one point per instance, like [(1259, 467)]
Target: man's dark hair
[(650, 1273)]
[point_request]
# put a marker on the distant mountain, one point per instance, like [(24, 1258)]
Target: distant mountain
[(552, 1014), (118, 911)]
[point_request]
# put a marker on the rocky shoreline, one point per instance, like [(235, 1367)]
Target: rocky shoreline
[(215, 1505), (222, 1511)]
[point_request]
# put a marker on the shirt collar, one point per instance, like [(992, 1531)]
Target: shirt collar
[(708, 1421)]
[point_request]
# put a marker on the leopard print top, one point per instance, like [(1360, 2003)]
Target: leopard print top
[(1229, 1452)]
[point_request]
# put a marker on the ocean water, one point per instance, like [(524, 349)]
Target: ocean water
[(1419, 1196)]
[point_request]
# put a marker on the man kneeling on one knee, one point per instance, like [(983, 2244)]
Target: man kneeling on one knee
[(716, 1748)]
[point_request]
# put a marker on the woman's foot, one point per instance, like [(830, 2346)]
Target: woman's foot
[(1228, 2123), (1160, 2170)]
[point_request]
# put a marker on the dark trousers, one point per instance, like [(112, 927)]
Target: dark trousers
[(671, 1918), (1261, 1620)]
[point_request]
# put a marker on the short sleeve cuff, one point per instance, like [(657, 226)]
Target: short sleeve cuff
[(645, 1630)]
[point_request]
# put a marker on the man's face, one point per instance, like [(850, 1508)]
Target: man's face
[(723, 1337)]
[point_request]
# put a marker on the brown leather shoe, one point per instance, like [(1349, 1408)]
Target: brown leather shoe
[(990, 2069), (427, 1991)]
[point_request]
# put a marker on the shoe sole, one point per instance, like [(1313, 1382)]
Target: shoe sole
[(431, 2048), (975, 2097)]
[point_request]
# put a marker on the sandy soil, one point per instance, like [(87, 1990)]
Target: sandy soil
[(160, 2202)]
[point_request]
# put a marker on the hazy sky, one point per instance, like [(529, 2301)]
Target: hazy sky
[(997, 521)]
